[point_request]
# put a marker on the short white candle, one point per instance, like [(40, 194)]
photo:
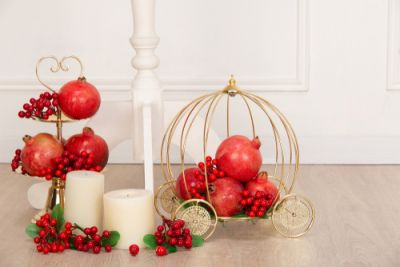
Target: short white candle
[(83, 204), (131, 213)]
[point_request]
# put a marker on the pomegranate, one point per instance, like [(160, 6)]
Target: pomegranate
[(225, 195), (191, 180), (40, 153), (262, 184), (239, 157), (91, 143), (79, 99)]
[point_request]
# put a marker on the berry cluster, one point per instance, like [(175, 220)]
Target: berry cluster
[(257, 205), (91, 240), (64, 164), (198, 189), (174, 233), (49, 239), (70, 161), (41, 108), (16, 161)]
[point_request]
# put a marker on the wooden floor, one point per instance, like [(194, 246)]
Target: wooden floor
[(357, 224)]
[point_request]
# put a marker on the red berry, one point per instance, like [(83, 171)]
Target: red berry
[(201, 165), (93, 230), (107, 248), (96, 249), (36, 240), (87, 231), (45, 250), (245, 193), (180, 243), (134, 249), (170, 232), (252, 214), (215, 161), (53, 222), (42, 233), (186, 231), (68, 225), (161, 251), (160, 228), (63, 236), (61, 248), (21, 114), (90, 244), (188, 243), (249, 201), (260, 213), (173, 241), (106, 234), (39, 248), (208, 158), (96, 238)]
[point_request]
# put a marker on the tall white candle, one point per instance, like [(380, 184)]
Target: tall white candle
[(84, 198), (131, 213)]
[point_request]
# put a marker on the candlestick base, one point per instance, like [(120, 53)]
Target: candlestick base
[(55, 195)]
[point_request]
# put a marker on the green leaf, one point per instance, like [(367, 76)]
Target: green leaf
[(150, 241), (171, 249), (58, 214), (197, 241), (239, 215), (32, 230), (112, 240)]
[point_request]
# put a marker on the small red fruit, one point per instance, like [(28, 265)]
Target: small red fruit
[(134, 249), (161, 251)]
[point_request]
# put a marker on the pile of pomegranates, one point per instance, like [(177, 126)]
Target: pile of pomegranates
[(235, 183), (46, 156)]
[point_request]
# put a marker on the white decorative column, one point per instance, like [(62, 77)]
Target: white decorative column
[(146, 87)]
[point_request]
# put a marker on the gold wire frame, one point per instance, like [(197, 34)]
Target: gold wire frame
[(286, 164)]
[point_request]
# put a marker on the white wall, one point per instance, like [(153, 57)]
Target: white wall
[(323, 63)]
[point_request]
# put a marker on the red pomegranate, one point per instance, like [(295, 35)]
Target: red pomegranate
[(190, 182), (225, 195), (39, 153), (91, 143), (239, 157), (261, 183), (79, 99)]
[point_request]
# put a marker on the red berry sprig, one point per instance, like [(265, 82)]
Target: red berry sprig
[(40, 108), (66, 163), (51, 239), (48, 239), (198, 189), (257, 205)]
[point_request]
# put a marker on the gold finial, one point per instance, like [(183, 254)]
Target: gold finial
[(232, 81)]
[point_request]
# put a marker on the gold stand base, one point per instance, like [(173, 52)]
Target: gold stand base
[(55, 195)]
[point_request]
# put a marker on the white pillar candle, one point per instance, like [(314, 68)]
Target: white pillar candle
[(131, 213), (83, 204)]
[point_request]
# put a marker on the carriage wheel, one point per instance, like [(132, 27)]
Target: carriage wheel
[(293, 216), (165, 200), (200, 217)]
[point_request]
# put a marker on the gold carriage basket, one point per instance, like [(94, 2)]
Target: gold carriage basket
[(292, 215)]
